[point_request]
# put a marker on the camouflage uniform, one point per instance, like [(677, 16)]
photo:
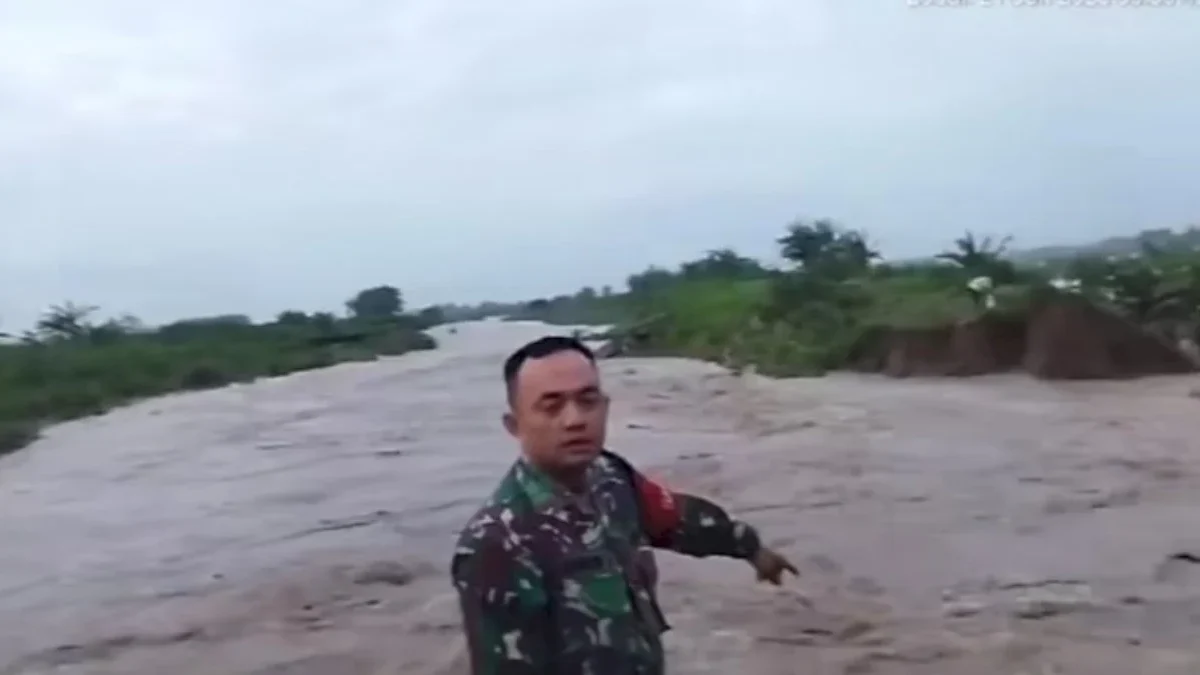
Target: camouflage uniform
[(564, 584)]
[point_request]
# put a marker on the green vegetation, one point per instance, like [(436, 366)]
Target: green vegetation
[(70, 366), (806, 316)]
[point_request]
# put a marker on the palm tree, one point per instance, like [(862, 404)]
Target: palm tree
[(823, 247), (975, 254), (66, 321), (982, 257)]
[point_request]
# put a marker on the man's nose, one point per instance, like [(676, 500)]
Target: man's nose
[(573, 416)]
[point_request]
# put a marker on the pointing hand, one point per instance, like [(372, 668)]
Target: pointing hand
[(770, 566)]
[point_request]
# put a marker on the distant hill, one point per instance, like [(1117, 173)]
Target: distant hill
[(1114, 246)]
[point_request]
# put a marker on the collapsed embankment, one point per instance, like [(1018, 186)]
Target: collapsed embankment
[(1058, 337), (1062, 337)]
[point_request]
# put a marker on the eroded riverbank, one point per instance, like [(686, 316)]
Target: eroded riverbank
[(997, 525)]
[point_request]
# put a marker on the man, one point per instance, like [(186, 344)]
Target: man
[(554, 573)]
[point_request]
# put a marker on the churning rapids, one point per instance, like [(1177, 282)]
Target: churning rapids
[(302, 525)]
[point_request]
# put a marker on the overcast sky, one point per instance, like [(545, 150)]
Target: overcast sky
[(176, 158)]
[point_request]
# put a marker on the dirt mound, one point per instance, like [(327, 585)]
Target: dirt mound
[(1061, 337), (985, 344), (919, 351), (1073, 339), (990, 344)]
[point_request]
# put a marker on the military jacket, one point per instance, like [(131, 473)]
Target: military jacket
[(559, 583)]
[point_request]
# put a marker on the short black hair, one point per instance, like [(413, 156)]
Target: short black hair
[(539, 349)]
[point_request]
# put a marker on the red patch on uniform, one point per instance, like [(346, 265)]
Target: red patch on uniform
[(659, 508)]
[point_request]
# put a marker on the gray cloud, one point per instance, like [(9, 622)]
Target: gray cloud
[(170, 159)]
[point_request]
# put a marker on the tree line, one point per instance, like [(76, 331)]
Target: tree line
[(71, 364)]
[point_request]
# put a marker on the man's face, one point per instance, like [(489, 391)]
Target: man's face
[(558, 411)]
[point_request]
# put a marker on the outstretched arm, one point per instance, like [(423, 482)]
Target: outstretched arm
[(504, 609), (692, 525)]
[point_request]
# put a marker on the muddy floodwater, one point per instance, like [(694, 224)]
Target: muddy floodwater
[(302, 525)]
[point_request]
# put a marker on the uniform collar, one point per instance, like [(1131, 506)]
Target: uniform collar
[(543, 490)]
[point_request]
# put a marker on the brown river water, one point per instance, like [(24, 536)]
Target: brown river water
[(302, 525)]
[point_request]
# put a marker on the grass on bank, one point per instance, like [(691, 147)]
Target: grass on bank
[(783, 331), (65, 378), (745, 323), (809, 320)]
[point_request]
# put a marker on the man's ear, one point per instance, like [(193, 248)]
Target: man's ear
[(510, 422)]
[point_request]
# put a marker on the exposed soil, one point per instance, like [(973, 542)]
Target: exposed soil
[(1062, 338), (302, 525)]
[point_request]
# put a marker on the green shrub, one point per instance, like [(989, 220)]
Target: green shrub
[(63, 378)]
